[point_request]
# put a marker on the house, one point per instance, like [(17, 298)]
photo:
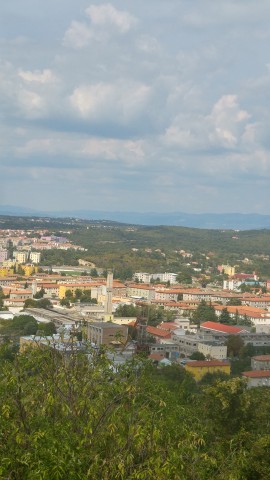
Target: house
[(199, 368), (140, 291), (107, 333), (165, 349), (213, 349), (158, 333), (260, 362), (221, 328), (257, 378), (167, 295)]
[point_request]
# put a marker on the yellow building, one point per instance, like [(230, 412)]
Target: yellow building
[(73, 287), (29, 269), (228, 270), (6, 271), (199, 368)]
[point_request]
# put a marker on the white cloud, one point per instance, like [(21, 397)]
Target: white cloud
[(31, 103), (121, 101), (37, 76), (78, 35), (105, 20), (106, 16), (223, 127), (227, 119), (145, 97), (129, 152)]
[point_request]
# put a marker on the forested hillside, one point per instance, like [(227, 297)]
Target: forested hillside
[(75, 419), (136, 248)]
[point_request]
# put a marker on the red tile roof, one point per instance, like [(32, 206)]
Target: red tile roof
[(158, 332), (207, 363), (220, 327), (168, 326), (257, 374), (262, 358), (132, 324), (156, 356)]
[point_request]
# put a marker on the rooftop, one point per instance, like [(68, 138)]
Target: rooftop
[(220, 327), (158, 332), (207, 363), (105, 325), (257, 374), (262, 358)]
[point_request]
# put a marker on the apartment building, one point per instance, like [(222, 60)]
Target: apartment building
[(107, 333)]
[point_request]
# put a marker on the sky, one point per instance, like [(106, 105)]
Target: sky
[(146, 105)]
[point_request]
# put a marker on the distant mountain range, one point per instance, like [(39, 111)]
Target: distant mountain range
[(235, 221)]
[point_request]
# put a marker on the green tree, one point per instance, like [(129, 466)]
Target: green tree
[(94, 272), (203, 313), (78, 293), (40, 293), (46, 329), (234, 302), (225, 317), (44, 303), (197, 356), (184, 277), (20, 325), (64, 302), (234, 345), (69, 295), (229, 404)]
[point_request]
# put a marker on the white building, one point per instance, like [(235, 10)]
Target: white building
[(213, 350), (144, 277), (35, 257), (257, 378), (21, 257), (3, 255)]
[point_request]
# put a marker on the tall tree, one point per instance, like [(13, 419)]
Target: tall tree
[(204, 312), (225, 317)]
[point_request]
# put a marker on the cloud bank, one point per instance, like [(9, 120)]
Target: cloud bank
[(161, 106)]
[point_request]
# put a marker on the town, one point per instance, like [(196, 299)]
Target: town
[(214, 327)]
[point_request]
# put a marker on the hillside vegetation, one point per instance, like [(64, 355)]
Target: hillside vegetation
[(155, 249), (75, 419)]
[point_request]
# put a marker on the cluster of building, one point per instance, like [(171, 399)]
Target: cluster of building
[(23, 248), (167, 342)]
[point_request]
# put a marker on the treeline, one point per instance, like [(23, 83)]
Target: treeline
[(81, 419), (196, 240), (60, 257), (22, 325)]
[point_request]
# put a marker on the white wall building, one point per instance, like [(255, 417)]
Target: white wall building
[(21, 257), (35, 257), (144, 277), (211, 350)]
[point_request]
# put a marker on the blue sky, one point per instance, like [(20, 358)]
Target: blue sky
[(143, 106)]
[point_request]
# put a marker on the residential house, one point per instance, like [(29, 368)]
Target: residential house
[(199, 368)]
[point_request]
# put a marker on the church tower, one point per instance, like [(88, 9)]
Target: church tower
[(108, 315)]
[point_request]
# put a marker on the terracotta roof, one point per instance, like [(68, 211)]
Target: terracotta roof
[(132, 324), (257, 374), (158, 332), (241, 309), (262, 358), (175, 292), (220, 327), (140, 287), (156, 356), (168, 326), (257, 299), (206, 363)]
